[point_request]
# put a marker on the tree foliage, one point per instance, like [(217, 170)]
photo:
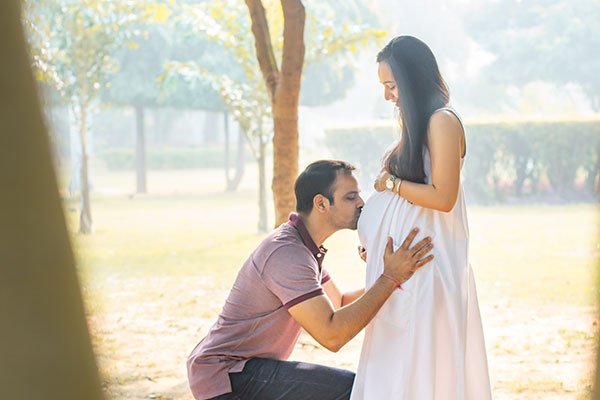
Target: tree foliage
[(138, 81), (329, 45), (549, 40), (330, 41), (73, 44)]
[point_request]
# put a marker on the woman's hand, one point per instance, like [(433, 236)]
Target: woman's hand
[(362, 253), (380, 181)]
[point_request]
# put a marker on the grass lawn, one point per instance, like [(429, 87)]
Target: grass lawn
[(158, 267)]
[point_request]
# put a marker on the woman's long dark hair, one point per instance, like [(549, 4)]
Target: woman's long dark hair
[(421, 91)]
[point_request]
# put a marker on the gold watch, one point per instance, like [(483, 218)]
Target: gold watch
[(389, 182)]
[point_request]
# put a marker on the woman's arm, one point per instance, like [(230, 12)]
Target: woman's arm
[(339, 299), (445, 139)]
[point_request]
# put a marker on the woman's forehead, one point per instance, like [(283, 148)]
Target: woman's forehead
[(385, 73)]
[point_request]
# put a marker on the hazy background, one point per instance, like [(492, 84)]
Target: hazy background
[(501, 60), (175, 83)]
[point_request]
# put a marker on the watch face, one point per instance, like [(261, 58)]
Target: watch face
[(389, 183)]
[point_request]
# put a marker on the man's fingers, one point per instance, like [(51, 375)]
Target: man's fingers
[(419, 246), (424, 250), (389, 247), (409, 239), (424, 261)]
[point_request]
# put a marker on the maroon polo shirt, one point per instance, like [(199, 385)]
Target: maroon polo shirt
[(284, 270)]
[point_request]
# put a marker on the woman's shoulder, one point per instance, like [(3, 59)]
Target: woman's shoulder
[(445, 126), (445, 116)]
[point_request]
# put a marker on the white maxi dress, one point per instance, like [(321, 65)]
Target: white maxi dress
[(426, 342)]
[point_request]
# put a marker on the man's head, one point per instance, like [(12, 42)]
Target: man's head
[(327, 187)]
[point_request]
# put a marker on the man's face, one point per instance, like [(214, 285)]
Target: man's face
[(347, 203)]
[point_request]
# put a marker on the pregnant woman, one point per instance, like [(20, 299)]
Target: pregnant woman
[(426, 342)]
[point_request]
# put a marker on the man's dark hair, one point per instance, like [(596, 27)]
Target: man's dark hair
[(318, 178)]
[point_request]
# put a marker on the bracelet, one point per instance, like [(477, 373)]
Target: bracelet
[(397, 186), (391, 278)]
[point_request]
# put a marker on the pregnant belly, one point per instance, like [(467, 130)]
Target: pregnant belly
[(387, 214)]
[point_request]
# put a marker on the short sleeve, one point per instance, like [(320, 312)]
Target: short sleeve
[(324, 275), (292, 274)]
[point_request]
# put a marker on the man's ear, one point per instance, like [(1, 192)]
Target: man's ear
[(320, 203)]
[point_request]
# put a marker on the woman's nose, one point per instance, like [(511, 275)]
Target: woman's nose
[(389, 95)]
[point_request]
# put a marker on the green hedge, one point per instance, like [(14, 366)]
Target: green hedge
[(535, 160), (363, 146), (167, 158)]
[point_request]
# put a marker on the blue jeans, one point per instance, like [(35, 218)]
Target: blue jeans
[(264, 379)]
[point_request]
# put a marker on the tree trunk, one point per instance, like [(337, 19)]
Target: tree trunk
[(140, 150), (285, 111), (285, 162), (284, 90), (44, 333), (262, 188), (240, 164), (85, 216), (226, 134)]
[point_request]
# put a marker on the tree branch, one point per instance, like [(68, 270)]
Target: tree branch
[(263, 45)]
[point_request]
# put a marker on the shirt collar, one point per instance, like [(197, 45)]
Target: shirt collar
[(317, 251)]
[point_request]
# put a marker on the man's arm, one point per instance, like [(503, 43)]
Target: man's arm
[(339, 299), (334, 328)]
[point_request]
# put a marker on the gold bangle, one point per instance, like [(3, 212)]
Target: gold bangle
[(397, 186)]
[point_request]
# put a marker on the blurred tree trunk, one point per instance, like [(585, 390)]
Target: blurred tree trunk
[(284, 91), (44, 340), (226, 136), (85, 215), (140, 150), (233, 183), (262, 188), (82, 103), (240, 164)]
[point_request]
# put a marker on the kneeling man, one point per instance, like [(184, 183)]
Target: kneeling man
[(283, 287)]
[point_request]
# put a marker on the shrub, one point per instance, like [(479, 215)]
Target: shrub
[(535, 160), (363, 146), (166, 158)]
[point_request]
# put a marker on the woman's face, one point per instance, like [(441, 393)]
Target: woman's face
[(386, 77)]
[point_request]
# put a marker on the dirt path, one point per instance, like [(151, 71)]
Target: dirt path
[(144, 329)]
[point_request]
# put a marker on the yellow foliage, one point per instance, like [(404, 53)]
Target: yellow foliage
[(158, 12)]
